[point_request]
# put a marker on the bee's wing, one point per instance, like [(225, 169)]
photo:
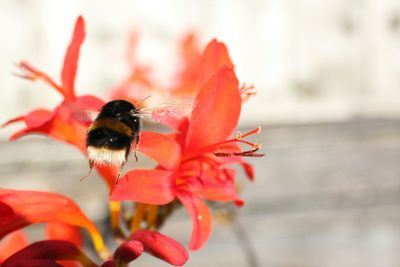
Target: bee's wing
[(174, 109), (84, 116)]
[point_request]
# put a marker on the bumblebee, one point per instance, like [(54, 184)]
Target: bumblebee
[(116, 130), (112, 134)]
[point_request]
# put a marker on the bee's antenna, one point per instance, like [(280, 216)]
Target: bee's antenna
[(91, 163), (144, 99)]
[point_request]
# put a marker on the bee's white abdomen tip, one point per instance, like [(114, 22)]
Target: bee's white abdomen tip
[(106, 156)]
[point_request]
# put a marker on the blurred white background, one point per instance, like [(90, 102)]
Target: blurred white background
[(310, 60)]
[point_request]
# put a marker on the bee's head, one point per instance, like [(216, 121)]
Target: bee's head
[(118, 109)]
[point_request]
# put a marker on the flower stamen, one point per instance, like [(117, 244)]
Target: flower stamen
[(247, 153), (247, 92), (30, 73)]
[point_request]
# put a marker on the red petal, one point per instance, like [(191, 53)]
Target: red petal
[(162, 247), (11, 244), (64, 231), (13, 120), (109, 173), (63, 126), (35, 263), (34, 118), (28, 207), (221, 188), (51, 250), (214, 57), (249, 170), (147, 186), (37, 117), (215, 114), (128, 251), (109, 263), (71, 59), (199, 67), (247, 167), (201, 219), (160, 147), (88, 103)]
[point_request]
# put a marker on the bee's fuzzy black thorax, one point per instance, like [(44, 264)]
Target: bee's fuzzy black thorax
[(122, 111)]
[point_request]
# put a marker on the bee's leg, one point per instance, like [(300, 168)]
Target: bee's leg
[(135, 144), (91, 164), (117, 178)]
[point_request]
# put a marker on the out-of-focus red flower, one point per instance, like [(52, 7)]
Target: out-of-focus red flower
[(138, 84), (197, 67), (48, 253), (68, 122), (19, 208), (195, 169)]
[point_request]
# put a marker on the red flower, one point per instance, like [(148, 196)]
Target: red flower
[(20, 208), (67, 122), (138, 84), (193, 171)]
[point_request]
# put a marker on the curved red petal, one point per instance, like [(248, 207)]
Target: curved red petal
[(38, 117), (13, 120), (201, 219), (35, 263), (71, 59), (29, 207), (160, 147), (11, 244), (64, 231), (109, 263), (34, 118), (51, 250), (162, 247), (214, 57), (128, 251), (216, 112), (147, 186)]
